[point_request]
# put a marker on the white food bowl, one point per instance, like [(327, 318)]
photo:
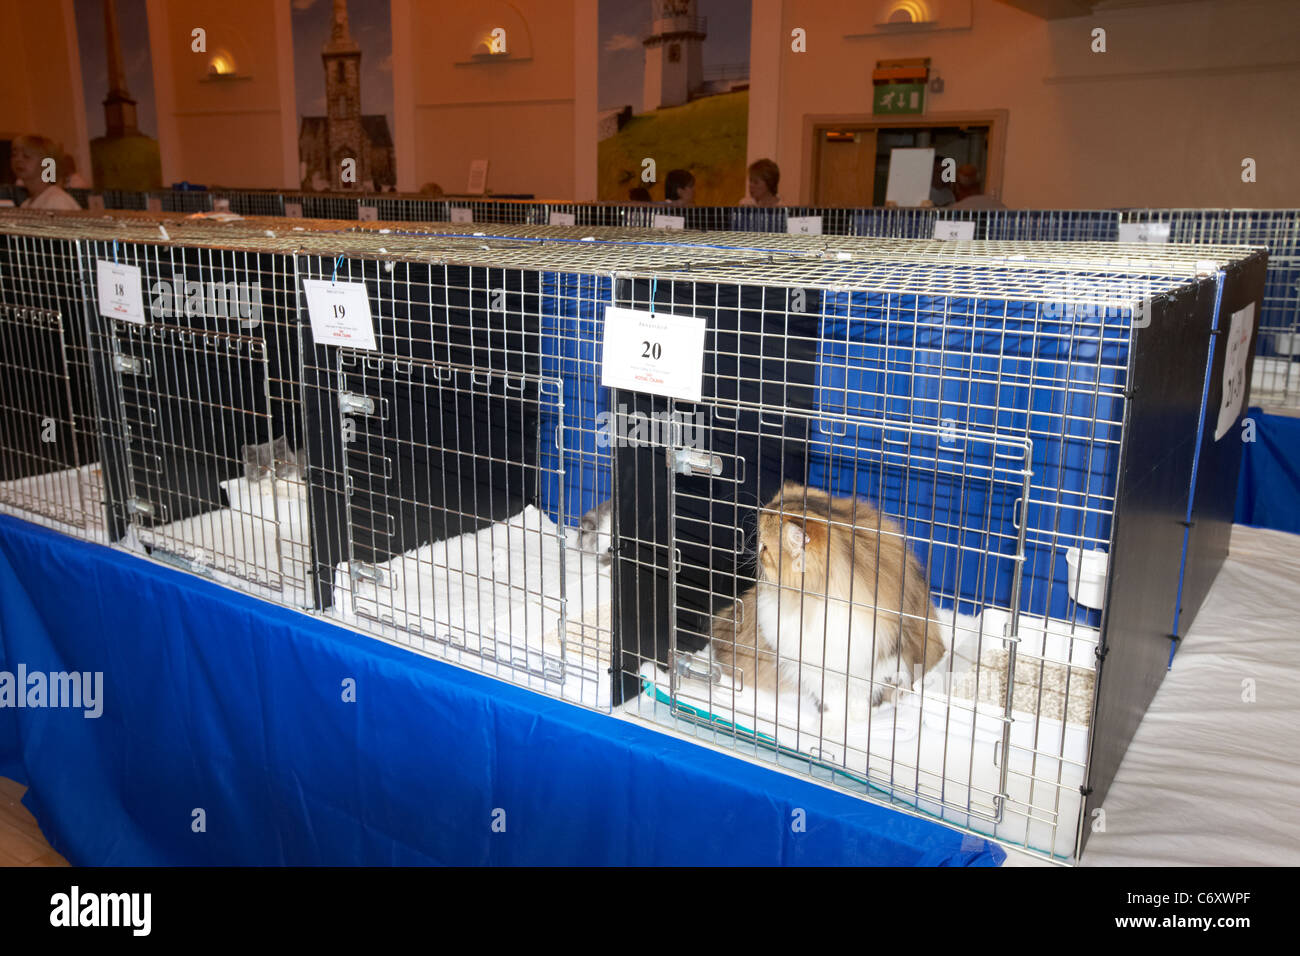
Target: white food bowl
[(1087, 584)]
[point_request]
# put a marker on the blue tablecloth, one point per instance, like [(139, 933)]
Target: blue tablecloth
[(227, 736), (1268, 495)]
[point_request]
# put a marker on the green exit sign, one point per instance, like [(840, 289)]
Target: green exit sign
[(898, 98)]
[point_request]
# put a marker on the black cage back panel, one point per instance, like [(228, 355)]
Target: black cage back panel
[(759, 351), (435, 433), (1166, 365)]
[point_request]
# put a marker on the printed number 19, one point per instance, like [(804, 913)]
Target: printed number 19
[(652, 350), (339, 311)]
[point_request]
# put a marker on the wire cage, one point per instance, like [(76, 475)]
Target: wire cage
[(991, 428), (204, 428), (1276, 377), (50, 454)]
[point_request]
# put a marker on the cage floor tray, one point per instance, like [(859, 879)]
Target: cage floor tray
[(71, 500)]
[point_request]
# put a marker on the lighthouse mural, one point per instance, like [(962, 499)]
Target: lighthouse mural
[(674, 70)]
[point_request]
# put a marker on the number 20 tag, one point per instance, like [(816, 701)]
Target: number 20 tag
[(654, 352), (340, 313)]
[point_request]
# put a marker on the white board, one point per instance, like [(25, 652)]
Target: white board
[(563, 219), (804, 225), (478, 172), (1234, 369), (339, 313), (661, 221), (910, 172), (120, 294)]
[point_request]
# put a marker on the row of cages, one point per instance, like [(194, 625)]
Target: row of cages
[(926, 528), (1278, 230)]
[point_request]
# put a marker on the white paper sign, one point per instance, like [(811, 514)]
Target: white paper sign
[(119, 292), (1144, 232), (478, 171), (563, 219), (662, 221), (293, 210), (340, 313), (910, 172), (367, 214), (221, 205), (1234, 369), (462, 215), (654, 352), (804, 225), (954, 230)]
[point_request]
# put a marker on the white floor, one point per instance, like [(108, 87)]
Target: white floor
[(1212, 776)]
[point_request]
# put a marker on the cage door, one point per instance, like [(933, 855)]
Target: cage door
[(445, 542), (38, 450), (191, 402)]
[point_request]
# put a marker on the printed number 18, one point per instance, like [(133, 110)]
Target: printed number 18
[(652, 350), (119, 289)]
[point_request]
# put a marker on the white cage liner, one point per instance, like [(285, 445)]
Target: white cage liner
[(71, 501), (495, 599), (938, 750)]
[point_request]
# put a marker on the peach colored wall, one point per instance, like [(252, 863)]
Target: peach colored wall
[(1164, 117), (517, 112), (40, 75), (238, 132)]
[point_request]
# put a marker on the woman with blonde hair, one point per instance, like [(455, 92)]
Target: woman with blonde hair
[(27, 159)]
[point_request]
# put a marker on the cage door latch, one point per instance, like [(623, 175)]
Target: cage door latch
[(368, 572), (712, 674), (351, 403), (139, 507), (128, 365), (690, 461)]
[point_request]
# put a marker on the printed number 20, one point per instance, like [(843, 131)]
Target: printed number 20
[(652, 350)]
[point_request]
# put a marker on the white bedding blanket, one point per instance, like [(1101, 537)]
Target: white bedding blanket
[(496, 598)]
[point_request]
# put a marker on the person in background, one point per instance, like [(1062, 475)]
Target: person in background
[(71, 178), (679, 188), (764, 178), (639, 194), (941, 193), (968, 190), (28, 163)]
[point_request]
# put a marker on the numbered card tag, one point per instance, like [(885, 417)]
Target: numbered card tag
[(1236, 354), (367, 213), (654, 352), (293, 210), (1144, 232), (660, 221), (340, 313), (119, 292), (954, 230), (462, 215), (563, 219), (221, 205), (804, 225), (153, 204)]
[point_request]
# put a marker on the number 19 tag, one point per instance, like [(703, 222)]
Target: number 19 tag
[(654, 352), (340, 313)]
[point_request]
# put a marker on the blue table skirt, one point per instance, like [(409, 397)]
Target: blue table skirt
[(225, 738), (1268, 495)]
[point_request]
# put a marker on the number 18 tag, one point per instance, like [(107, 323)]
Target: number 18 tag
[(654, 352), (340, 313), (119, 292)]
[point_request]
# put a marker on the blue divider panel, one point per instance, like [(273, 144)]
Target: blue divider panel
[(574, 456), (1012, 368)]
